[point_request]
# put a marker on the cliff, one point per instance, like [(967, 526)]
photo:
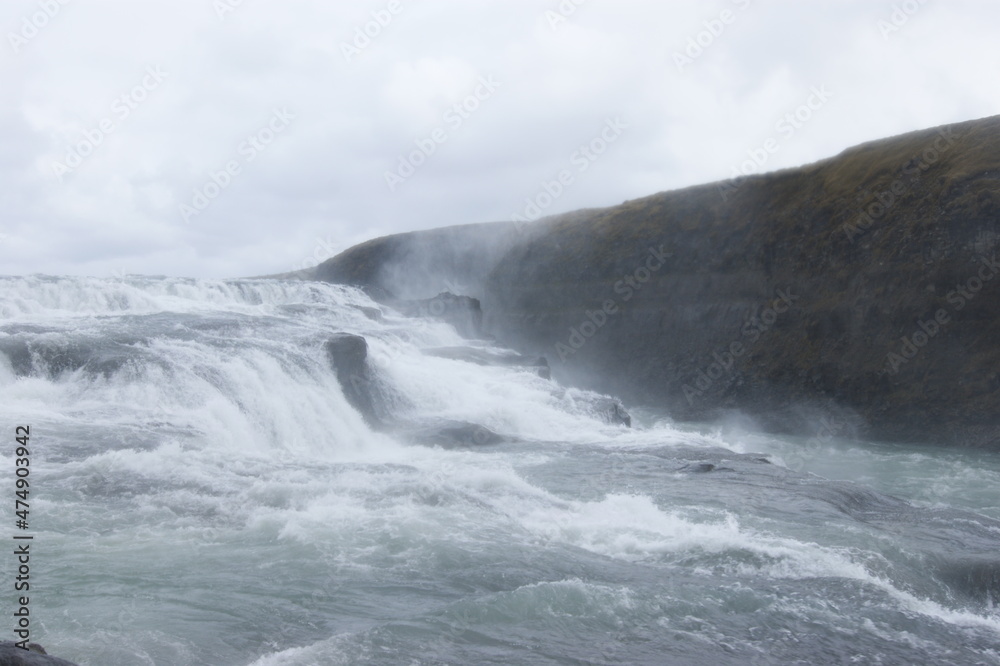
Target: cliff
[(866, 286)]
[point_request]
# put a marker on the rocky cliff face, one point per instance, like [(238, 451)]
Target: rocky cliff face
[(866, 285)]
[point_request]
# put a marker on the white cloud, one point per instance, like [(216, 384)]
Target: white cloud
[(321, 184)]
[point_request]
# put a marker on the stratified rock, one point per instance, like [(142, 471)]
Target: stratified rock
[(35, 655), (462, 312)]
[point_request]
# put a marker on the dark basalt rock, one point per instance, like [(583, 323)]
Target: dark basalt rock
[(349, 356), (462, 312), (613, 411), (35, 655)]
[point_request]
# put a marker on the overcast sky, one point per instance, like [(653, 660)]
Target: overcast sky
[(218, 138)]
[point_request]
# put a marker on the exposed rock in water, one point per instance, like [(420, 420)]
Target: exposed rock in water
[(35, 655), (538, 364), (349, 356), (613, 411), (868, 282), (462, 312)]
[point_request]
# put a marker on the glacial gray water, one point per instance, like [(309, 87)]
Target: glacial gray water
[(202, 493)]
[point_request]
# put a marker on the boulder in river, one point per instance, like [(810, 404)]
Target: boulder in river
[(613, 411), (349, 355), (35, 655)]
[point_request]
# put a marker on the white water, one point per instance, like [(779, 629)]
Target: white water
[(203, 493)]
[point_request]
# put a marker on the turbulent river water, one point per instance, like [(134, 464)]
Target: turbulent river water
[(203, 493)]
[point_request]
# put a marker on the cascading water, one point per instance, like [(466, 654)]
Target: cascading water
[(204, 493)]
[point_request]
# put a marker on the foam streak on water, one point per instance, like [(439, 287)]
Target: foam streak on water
[(203, 493)]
